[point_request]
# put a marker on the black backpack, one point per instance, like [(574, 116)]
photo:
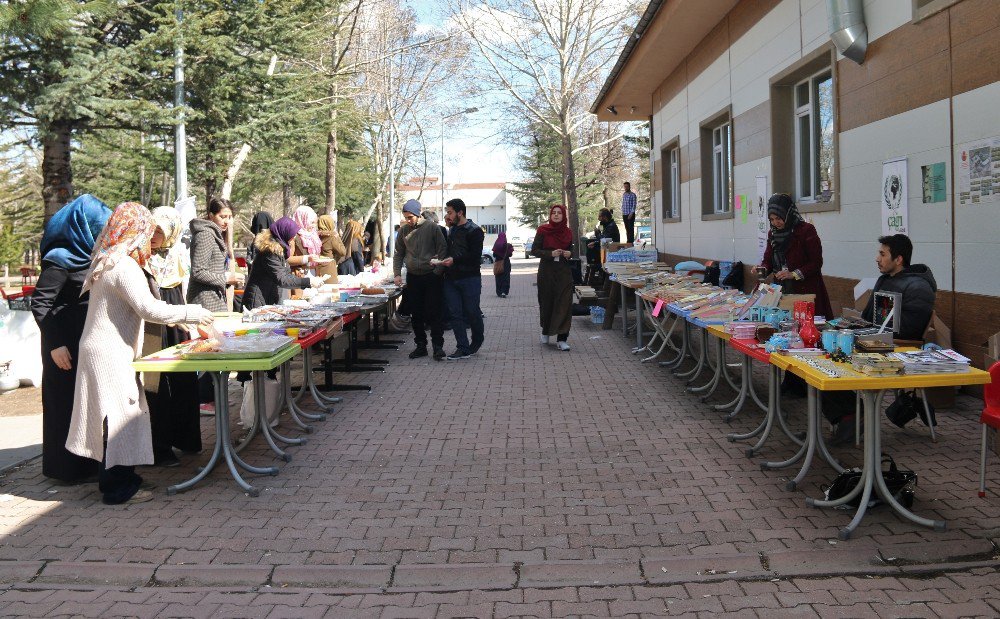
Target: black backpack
[(734, 279), (712, 273)]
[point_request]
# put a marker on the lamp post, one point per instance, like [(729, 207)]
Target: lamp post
[(468, 110)]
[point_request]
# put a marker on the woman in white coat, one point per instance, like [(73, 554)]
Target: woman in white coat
[(122, 295)]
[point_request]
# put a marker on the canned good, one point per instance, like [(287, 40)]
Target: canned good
[(830, 341), (845, 341)]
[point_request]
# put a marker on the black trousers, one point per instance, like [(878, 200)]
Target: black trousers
[(629, 227), (425, 298), (503, 280)]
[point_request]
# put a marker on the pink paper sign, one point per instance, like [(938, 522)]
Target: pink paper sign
[(658, 307)]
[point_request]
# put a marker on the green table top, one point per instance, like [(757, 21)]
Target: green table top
[(157, 362)]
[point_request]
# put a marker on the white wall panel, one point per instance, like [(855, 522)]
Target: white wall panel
[(884, 16)]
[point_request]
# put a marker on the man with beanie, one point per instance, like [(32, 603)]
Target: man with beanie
[(463, 284), (417, 243)]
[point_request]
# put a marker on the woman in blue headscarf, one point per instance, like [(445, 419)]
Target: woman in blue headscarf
[(60, 311)]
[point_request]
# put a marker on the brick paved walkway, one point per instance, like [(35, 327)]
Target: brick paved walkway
[(524, 481)]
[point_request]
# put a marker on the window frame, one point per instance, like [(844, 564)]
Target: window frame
[(717, 166), (670, 170), (784, 132), (810, 112), (922, 9)]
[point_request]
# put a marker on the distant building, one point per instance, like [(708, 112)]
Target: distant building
[(491, 205)]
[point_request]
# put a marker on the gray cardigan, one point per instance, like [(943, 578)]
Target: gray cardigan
[(207, 287)]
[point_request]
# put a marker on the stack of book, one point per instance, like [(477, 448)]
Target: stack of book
[(874, 364), (944, 361)]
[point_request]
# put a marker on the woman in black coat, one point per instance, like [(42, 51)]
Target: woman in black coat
[(61, 312), (271, 271)]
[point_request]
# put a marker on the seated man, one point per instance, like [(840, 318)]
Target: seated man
[(918, 289), (607, 229), (914, 281)]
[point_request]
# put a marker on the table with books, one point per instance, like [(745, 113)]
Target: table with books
[(871, 374)]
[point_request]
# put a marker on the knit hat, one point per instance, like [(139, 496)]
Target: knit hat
[(412, 206)]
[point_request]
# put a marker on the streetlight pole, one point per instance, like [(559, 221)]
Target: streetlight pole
[(468, 110)]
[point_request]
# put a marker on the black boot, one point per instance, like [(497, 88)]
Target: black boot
[(419, 351), (439, 353)]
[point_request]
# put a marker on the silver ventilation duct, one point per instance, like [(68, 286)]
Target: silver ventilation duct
[(847, 28)]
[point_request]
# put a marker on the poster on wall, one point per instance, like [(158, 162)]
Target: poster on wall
[(977, 172), (894, 207), (933, 183), (760, 216)]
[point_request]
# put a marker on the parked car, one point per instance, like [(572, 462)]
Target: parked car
[(487, 257), (527, 246)]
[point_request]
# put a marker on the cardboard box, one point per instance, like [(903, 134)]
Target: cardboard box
[(787, 301)]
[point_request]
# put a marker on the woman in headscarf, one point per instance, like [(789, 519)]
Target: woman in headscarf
[(172, 396), (307, 242), (554, 245), (354, 243), (502, 251), (794, 253), (60, 311), (210, 269), (272, 271), (333, 248), (260, 222), (122, 296)]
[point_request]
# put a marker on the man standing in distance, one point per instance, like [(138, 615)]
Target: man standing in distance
[(418, 241), (463, 283), (628, 212)]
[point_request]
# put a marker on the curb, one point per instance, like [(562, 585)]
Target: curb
[(917, 560)]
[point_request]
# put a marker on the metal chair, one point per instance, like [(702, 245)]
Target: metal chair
[(990, 417)]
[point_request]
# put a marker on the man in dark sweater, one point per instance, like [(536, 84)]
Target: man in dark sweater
[(419, 241), (914, 282), (463, 283)]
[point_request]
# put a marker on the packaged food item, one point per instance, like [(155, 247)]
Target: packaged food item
[(373, 290)]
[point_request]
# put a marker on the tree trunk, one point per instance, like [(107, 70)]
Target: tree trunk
[(57, 169), (569, 185), (378, 238), (286, 198), (332, 151)]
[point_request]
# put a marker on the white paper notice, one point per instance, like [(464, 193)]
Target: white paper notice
[(894, 206), (977, 171), (760, 211)]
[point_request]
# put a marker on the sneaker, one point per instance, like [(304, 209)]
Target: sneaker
[(419, 351), (167, 460), (562, 345), (544, 339), (207, 409), (439, 354), (503, 296), (455, 356)]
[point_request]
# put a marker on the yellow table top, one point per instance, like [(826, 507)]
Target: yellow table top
[(719, 331), (857, 381), (155, 362)]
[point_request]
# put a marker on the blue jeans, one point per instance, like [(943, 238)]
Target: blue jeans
[(462, 298)]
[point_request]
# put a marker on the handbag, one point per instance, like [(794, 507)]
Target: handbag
[(900, 483), (498, 268), (272, 397), (906, 407)]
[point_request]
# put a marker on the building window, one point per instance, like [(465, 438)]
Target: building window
[(804, 128), (671, 158), (814, 138), (922, 9), (722, 148)]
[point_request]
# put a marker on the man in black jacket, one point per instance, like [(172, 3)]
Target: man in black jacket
[(914, 282), (463, 283)]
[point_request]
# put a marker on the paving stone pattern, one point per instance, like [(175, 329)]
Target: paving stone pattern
[(522, 482)]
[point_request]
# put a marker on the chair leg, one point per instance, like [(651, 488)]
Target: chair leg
[(982, 465)]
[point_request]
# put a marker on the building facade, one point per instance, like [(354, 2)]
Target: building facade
[(751, 97), (490, 205)]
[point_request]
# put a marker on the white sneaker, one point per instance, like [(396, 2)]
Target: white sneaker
[(544, 339), (562, 345)]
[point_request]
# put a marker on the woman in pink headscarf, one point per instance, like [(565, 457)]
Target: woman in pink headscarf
[(307, 245)]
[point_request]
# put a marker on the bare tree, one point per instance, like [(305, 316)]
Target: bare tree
[(396, 89), (548, 55)]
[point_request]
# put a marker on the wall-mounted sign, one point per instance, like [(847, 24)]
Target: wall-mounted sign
[(894, 207), (932, 182)]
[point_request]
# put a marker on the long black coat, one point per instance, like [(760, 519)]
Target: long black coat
[(60, 312), (555, 290), (270, 272)]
